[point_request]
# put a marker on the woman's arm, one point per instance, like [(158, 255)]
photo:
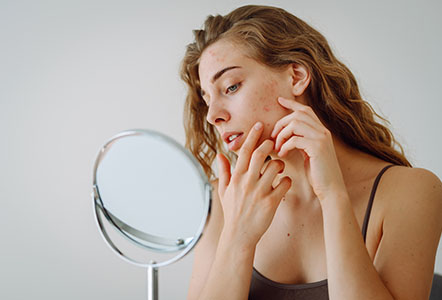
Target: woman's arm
[(249, 203), (205, 250), (404, 262), (219, 268)]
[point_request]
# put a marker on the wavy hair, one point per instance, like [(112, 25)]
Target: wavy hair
[(277, 38)]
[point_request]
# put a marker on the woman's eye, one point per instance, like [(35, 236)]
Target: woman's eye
[(232, 88)]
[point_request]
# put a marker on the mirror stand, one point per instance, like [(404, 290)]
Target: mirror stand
[(152, 281)]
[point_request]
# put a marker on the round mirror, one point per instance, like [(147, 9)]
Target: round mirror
[(149, 193)]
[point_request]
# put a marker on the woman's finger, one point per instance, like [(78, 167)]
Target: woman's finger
[(258, 158), (295, 106), (295, 128), (290, 103), (281, 189), (248, 147), (280, 124), (271, 171), (295, 142), (297, 116)]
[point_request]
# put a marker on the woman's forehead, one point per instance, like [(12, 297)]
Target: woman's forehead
[(219, 56)]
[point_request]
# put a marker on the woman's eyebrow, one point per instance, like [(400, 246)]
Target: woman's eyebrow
[(217, 76), (221, 72)]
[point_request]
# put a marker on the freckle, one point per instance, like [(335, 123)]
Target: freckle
[(288, 234), (268, 124), (283, 198), (302, 225), (364, 187)]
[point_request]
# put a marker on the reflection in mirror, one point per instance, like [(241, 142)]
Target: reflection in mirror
[(150, 195)]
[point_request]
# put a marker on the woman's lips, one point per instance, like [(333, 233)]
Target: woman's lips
[(235, 143)]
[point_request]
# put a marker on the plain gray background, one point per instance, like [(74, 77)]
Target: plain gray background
[(74, 73)]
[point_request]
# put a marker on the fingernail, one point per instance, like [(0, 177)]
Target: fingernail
[(258, 125)]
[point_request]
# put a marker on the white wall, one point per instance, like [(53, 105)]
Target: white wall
[(74, 73)]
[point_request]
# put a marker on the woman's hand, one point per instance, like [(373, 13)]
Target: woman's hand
[(248, 199), (302, 130)]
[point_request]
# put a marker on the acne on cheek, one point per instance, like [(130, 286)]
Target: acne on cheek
[(271, 88), (267, 97)]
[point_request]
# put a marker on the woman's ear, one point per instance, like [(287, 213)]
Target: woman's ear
[(300, 79)]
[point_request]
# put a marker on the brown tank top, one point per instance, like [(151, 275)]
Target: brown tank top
[(262, 288)]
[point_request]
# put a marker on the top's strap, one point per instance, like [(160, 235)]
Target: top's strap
[(370, 201)]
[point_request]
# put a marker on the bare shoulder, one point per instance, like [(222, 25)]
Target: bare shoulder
[(412, 197), (415, 188), (411, 228)]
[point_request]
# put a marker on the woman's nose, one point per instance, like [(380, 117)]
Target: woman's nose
[(217, 114)]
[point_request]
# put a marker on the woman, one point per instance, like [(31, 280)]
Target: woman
[(290, 221)]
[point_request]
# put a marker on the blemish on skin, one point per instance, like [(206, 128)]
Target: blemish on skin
[(364, 187), (283, 198), (288, 234), (302, 225), (268, 124), (266, 108)]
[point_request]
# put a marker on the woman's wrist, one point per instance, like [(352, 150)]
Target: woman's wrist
[(239, 243), (334, 199)]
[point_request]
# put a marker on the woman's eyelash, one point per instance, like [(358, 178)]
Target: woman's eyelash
[(232, 88)]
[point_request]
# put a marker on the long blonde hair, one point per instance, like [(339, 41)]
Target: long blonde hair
[(277, 38)]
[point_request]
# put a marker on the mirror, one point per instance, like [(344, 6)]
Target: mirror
[(151, 200)]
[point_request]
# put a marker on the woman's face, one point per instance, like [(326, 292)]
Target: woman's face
[(239, 92)]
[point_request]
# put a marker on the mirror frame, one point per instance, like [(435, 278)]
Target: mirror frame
[(97, 201)]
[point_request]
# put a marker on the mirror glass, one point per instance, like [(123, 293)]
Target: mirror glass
[(151, 190)]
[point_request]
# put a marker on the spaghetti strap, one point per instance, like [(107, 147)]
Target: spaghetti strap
[(370, 201)]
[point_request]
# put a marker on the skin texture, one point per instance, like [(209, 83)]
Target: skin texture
[(297, 218)]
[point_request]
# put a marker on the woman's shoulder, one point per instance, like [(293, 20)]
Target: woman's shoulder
[(401, 180), (414, 192)]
